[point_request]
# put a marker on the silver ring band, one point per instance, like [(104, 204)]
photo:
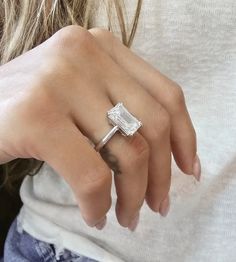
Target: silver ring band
[(106, 138)]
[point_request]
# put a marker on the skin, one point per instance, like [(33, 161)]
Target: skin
[(56, 95)]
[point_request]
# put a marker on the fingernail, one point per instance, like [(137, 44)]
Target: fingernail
[(197, 168), (101, 224), (165, 207), (132, 226)]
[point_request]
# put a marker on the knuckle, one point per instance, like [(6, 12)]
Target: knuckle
[(164, 121), (73, 37), (101, 34), (177, 98), (134, 204), (139, 152), (139, 145), (160, 125), (106, 39)]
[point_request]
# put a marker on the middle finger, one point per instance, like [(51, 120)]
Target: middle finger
[(126, 155), (155, 129)]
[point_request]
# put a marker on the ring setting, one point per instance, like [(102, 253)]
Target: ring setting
[(123, 121)]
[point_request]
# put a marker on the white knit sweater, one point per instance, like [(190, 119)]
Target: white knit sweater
[(194, 43)]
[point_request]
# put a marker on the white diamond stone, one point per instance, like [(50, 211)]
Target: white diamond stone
[(121, 117)]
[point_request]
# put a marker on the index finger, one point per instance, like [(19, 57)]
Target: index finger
[(69, 153)]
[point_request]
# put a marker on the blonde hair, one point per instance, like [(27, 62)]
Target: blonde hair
[(25, 24)]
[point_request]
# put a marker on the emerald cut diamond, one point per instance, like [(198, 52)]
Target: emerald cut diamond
[(120, 116)]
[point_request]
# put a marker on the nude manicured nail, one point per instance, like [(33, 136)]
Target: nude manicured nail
[(101, 224), (197, 168), (132, 226), (165, 207)]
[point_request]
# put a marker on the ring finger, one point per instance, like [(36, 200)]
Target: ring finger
[(128, 156)]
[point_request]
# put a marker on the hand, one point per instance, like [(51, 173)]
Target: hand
[(56, 95)]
